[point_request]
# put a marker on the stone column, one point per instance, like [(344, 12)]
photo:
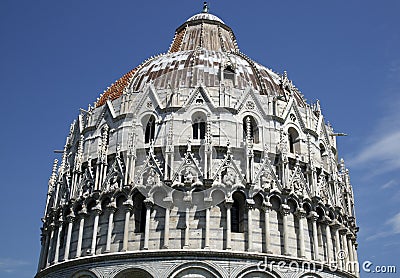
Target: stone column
[(208, 203), (97, 179), (301, 214), (335, 225), (355, 256), (49, 244), (350, 252), (285, 210), (70, 220), (111, 208), (42, 243), (45, 249), (187, 228), (345, 250), (329, 245), (82, 215), (97, 211), (267, 206), (168, 206), (314, 217), (228, 206), (128, 206), (148, 205), (250, 205), (58, 242)]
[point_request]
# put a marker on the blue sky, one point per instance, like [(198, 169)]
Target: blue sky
[(57, 57)]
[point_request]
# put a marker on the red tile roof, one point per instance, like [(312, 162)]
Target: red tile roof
[(116, 89)]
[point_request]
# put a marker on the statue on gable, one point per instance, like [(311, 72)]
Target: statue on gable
[(151, 179), (266, 181), (65, 193), (115, 180), (114, 177), (297, 186), (189, 176), (87, 186), (229, 178), (322, 188)]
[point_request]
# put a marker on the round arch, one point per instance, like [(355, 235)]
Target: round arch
[(257, 272), (201, 270), (254, 115), (84, 274), (133, 273), (310, 275)]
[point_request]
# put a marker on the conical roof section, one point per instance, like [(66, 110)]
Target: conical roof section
[(202, 50), (206, 31)]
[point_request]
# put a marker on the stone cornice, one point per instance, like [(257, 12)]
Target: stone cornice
[(182, 254)]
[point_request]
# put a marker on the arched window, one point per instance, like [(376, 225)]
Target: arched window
[(199, 126), (250, 126), (150, 130), (294, 140)]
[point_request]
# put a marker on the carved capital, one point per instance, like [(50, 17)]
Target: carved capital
[(112, 207), (208, 202), (285, 210), (70, 218), (228, 203), (51, 227), (301, 213), (148, 204), (267, 206), (326, 220), (349, 235), (250, 203), (343, 231), (128, 205), (97, 209), (313, 216), (335, 224), (83, 212)]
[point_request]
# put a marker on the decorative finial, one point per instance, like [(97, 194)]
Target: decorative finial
[(205, 7)]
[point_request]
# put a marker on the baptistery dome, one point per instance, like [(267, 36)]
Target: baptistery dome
[(200, 162)]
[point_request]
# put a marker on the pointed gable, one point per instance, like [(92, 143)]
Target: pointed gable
[(228, 173), (250, 101), (150, 173), (199, 96), (265, 176), (292, 109), (147, 100), (188, 171)]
